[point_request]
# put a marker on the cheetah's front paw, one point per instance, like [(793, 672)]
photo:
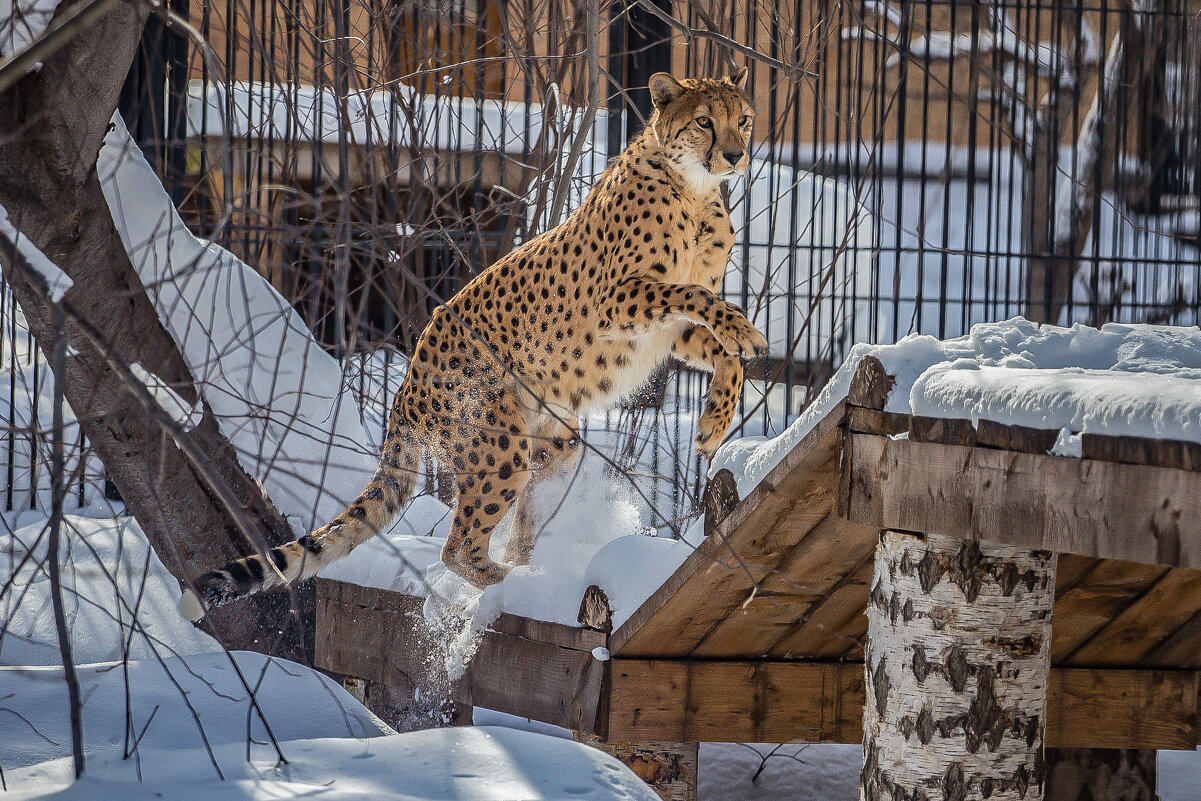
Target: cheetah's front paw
[(710, 431), (739, 337)]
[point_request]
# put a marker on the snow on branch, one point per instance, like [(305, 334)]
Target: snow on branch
[(175, 407), (1048, 59), (57, 282)]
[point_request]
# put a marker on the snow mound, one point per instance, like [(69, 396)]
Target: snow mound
[(109, 572), (462, 764), (1122, 380), (280, 400), (297, 702)]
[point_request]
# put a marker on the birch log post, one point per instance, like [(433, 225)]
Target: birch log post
[(957, 666)]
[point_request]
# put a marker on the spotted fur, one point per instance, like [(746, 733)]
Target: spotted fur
[(572, 321)]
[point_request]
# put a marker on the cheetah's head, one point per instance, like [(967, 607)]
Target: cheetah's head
[(704, 125)]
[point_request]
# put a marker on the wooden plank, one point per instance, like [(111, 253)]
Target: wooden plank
[(703, 701), (1118, 511), (1022, 439), (942, 430), (736, 701), (1072, 569), (535, 680), (1138, 450), (1165, 606), (875, 421), (380, 636), (1096, 599), (837, 625), (789, 596), (1122, 709), (741, 551), (359, 629), (1182, 648)]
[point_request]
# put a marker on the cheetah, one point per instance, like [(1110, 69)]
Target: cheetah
[(570, 322)]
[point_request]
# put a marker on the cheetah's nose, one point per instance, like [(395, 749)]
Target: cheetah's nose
[(733, 156)]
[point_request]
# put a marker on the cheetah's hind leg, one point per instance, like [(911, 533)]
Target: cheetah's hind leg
[(556, 448), (488, 484)]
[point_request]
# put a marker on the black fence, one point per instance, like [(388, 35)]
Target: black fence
[(920, 166)]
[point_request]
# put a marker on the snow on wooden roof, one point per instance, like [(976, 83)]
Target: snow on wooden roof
[(758, 635)]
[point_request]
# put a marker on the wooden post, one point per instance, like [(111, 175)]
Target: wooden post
[(956, 666), (669, 768), (1100, 774), (407, 708)]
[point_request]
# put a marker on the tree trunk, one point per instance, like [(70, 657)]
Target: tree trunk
[(1134, 56), (956, 670), (55, 121), (1100, 774)]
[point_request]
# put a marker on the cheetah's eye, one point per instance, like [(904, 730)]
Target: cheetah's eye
[(743, 120), (704, 122)]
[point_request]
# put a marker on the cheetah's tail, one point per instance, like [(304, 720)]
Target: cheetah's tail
[(389, 489)]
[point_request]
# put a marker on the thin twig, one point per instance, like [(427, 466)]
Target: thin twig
[(791, 70), (52, 543)]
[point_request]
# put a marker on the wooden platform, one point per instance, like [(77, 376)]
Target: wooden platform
[(758, 635)]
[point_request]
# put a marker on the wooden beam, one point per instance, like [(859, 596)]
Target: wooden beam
[(1098, 708), (670, 769), (734, 701), (790, 597), (741, 701), (741, 550), (1138, 513), (525, 667)]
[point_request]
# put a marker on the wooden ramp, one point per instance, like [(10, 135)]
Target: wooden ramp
[(758, 635)]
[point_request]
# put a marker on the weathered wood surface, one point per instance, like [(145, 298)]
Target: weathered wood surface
[(1138, 450), (771, 701), (545, 671), (1097, 708), (792, 597), (870, 384), (727, 701), (741, 551), (671, 769), (1100, 774), (1117, 511), (1092, 603)]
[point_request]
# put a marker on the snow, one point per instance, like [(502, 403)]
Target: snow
[(1120, 380), (277, 396), (170, 690), (23, 21), (462, 764), (57, 282), (399, 115), (109, 570), (168, 400)]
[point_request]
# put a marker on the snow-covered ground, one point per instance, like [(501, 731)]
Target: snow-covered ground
[(168, 714)]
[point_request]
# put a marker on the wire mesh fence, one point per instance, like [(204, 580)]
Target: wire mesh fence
[(919, 167)]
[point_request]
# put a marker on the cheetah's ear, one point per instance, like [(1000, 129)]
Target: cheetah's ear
[(738, 79), (664, 89)]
